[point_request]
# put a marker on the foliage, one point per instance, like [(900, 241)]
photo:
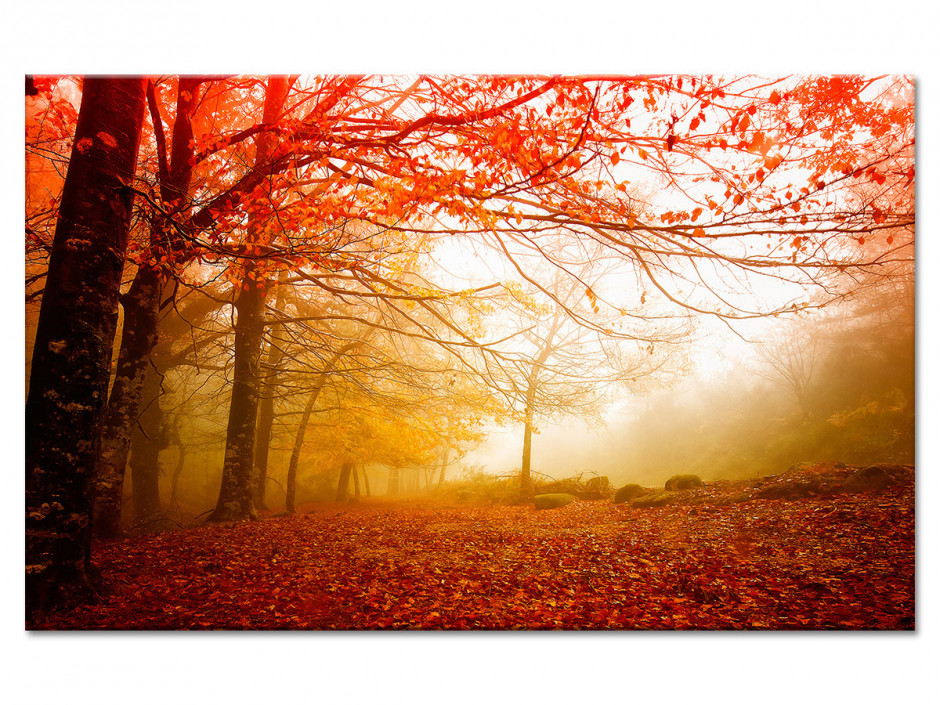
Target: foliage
[(842, 562)]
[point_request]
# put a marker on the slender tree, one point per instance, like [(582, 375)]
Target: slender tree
[(272, 373)]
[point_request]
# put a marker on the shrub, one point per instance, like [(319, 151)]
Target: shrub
[(684, 482), (553, 501), (628, 492)]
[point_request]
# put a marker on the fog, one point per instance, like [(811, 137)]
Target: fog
[(734, 415)]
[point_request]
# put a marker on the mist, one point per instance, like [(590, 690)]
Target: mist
[(735, 415)]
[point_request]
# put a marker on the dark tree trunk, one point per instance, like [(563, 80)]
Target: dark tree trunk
[(365, 480), (342, 486), (291, 489), (355, 477), (149, 438), (141, 317), (266, 406), (235, 501), (74, 339), (180, 463), (141, 309)]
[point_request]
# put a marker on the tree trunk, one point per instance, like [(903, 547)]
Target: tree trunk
[(149, 438), (141, 319), (74, 339), (141, 309), (365, 479), (444, 461), (291, 489), (526, 474), (526, 480), (266, 407), (180, 462), (394, 481), (342, 486), (235, 501), (355, 477), (531, 394)]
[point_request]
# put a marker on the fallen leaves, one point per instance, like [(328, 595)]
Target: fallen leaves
[(834, 562)]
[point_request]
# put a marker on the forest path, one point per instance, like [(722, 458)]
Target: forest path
[(842, 562)]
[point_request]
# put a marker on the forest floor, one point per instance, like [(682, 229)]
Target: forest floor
[(844, 561)]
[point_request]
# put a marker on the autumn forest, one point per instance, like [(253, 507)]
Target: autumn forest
[(469, 352)]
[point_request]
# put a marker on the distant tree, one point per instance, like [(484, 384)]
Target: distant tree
[(792, 362)]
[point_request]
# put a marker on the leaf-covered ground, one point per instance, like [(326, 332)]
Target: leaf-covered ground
[(838, 562)]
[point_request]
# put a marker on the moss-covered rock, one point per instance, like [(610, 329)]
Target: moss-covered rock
[(553, 501), (657, 498), (875, 478), (684, 482), (628, 492)]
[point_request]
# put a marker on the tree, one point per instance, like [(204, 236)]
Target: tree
[(71, 359), (235, 496), (792, 362), (271, 378), (142, 306)]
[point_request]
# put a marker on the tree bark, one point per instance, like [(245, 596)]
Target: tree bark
[(235, 501), (74, 339), (394, 482), (141, 319), (141, 309), (365, 479)]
